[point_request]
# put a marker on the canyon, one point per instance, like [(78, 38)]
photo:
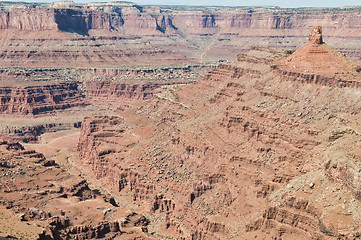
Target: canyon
[(237, 148), (121, 121), (64, 34)]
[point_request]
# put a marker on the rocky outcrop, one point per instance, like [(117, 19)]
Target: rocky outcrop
[(317, 63), (31, 133), (162, 204), (98, 231), (117, 91), (240, 154), (316, 35), (316, 79), (35, 100), (90, 131), (100, 153), (57, 203), (103, 34), (300, 223), (208, 229)]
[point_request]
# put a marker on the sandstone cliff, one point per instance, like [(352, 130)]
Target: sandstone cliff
[(316, 62), (116, 16), (244, 153), (52, 203), (118, 91), (34, 100), (104, 34), (31, 133)]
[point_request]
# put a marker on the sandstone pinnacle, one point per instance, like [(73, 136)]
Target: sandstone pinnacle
[(316, 35), (318, 58)]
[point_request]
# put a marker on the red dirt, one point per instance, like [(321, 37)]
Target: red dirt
[(241, 154), (264, 147)]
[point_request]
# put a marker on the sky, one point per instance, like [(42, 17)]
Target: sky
[(280, 3)]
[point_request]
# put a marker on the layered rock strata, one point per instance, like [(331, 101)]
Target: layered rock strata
[(35, 100), (113, 34), (239, 155), (318, 63), (111, 83), (31, 133), (118, 91), (51, 203)]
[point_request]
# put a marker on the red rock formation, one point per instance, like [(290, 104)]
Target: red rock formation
[(241, 154), (318, 63), (26, 18), (98, 231), (316, 35), (71, 17), (103, 34), (117, 91), (98, 151), (34, 100), (61, 203), (31, 133)]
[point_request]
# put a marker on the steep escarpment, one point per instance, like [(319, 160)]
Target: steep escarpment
[(67, 16), (113, 34), (31, 133), (119, 84), (62, 205), (78, 21), (244, 153), (118, 91), (34, 100), (27, 18), (68, 35), (316, 62)]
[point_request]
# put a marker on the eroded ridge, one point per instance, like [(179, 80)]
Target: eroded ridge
[(318, 63), (52, 203), (40, 99), (124, 33), (238, 155)]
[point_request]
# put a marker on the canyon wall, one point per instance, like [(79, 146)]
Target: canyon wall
[(244, 153), (31, 133), (41, 99), (28, 18), (111, 16), (34, 91), (63, 205), (118, 34), (242, 20), (117, 91)]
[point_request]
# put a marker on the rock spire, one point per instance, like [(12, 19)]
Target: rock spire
[(316, 35)]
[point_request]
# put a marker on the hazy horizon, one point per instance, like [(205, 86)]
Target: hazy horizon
[(234, 3), (280, 3)]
